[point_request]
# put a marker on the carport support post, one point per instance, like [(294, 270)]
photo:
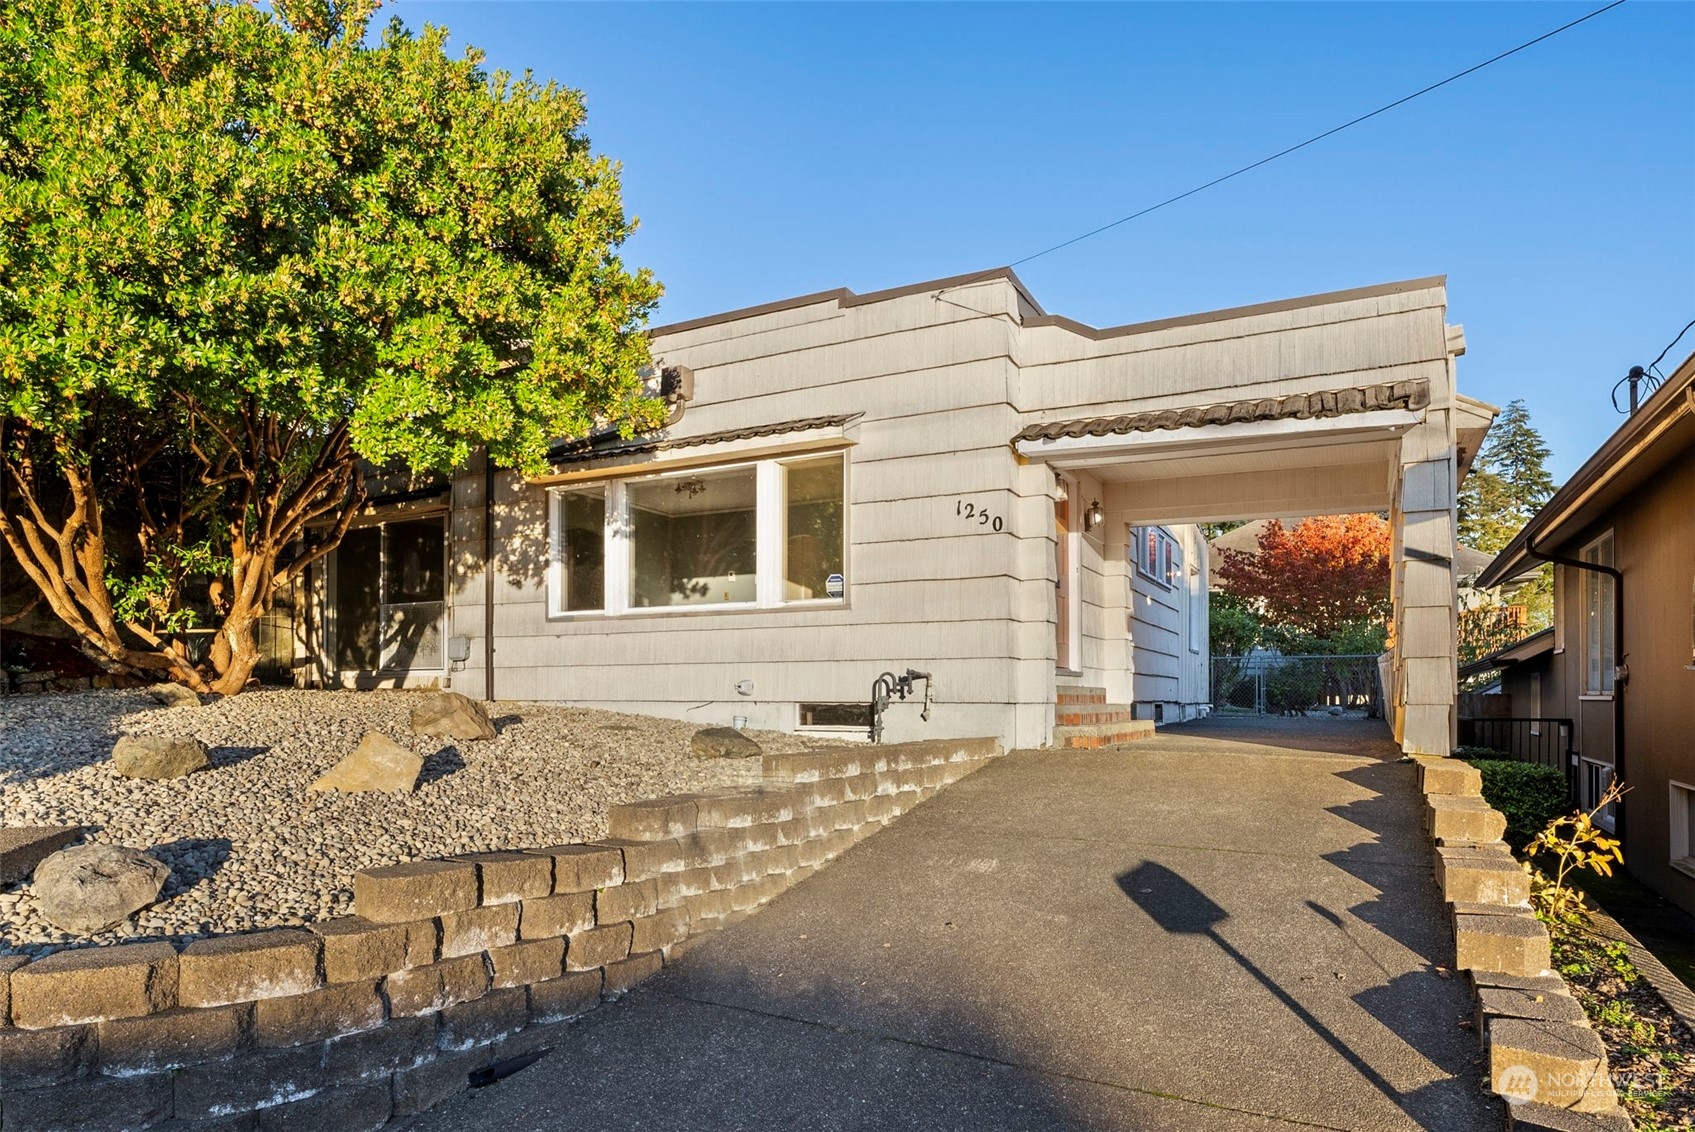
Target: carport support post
[(1424, 518)]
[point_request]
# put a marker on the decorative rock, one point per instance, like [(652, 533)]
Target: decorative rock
[(723, 743), (452, 715), (89, 888), (25, 846), (173, 695), (159, 756), (378, 763)]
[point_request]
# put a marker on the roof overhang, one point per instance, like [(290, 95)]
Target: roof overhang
[(1632, 456), (1472, 419), (640, 456), (1537, 644), (1133, 447)]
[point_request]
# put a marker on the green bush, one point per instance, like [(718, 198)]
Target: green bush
[(1472, 754), (1529, 794)]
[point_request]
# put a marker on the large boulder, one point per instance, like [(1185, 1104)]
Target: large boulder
[(723, 743), (22, 847), (89, 888), (451, 716), (159, 756), (378, 763), (173, 695)]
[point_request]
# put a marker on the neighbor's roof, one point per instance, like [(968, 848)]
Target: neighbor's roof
[(576, 451), (844, 298), (1662, 427), (1530, 648), (1297, 406)]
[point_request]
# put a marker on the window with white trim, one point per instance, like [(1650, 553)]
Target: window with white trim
[(1598, 643), (1682, 826), (1597, 776), (753, 535), (1158, 556)]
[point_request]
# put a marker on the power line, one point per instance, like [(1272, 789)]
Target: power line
[(1656, 362), (1298, 146)]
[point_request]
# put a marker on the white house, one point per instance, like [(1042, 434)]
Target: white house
[(940, 477)]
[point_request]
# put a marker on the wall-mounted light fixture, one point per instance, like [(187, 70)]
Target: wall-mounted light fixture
[(1094, 516), (1060, 494)]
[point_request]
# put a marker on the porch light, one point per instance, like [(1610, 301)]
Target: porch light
[(1093, 517)]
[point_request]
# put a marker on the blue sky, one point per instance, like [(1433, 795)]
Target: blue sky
[(774, 150)]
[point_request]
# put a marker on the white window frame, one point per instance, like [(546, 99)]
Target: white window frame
[(770, 480), (1598, 661), (1595, 777), (1682, 826), (1164, 546), (1536, 703)]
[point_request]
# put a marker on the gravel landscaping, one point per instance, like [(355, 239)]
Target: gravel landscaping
[(249, 847)]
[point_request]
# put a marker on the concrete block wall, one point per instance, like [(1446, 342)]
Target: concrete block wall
[(449, 966), (1543, 1057)]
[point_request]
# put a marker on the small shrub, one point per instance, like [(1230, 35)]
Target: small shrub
[(1529, 794), (1575, 843), (1471, 754)]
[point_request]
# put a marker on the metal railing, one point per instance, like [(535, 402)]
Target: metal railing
[(1544, 741), (1272, 684)]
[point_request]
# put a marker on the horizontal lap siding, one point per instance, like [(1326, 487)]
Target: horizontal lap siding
[(926, 586)]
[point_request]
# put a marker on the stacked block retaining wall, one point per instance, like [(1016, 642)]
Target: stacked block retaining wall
[(448, 968), (1543, 1057)]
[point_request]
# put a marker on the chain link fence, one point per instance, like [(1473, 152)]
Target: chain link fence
[(1272, 684)]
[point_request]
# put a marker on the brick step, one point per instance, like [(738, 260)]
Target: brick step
[(1083, 715), (1103, 734), (1079, 694)]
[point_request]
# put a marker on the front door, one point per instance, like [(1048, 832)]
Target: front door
[(1062, 578)]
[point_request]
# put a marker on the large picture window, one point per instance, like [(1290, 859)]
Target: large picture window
[(754, 535)]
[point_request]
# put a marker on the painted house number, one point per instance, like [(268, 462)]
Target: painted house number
[(970, 513)]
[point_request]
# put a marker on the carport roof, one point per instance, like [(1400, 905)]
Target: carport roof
[(1411, 395)]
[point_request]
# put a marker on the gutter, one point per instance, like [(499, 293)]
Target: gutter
[(1621, 671)]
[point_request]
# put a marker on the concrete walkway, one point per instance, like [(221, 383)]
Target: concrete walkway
[(1225, 927)]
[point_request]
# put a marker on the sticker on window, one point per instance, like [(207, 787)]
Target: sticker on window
[(835, 585)]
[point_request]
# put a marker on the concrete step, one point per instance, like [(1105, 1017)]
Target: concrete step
[(1103, 734), (1082, 715), (1079, 694), (1535, 1117)]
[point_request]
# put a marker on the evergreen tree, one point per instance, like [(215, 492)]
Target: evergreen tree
[(1509, 482)]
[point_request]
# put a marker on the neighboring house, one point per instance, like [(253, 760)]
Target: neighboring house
[(942, 477), (1630, 508)]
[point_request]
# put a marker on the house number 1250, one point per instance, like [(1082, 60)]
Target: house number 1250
[(970, 513)]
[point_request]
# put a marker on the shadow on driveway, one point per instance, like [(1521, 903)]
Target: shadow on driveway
[(1185, 933)]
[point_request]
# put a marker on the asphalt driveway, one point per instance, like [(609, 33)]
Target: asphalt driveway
[(1229, 926)]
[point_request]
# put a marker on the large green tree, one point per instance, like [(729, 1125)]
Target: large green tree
[(1509, 481), (246, 256)]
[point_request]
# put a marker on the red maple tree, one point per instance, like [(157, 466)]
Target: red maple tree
[(1317, 577)]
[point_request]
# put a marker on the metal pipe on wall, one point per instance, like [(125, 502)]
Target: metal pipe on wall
[(1621, 671)]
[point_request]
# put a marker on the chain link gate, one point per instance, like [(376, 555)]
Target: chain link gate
[(1272, 684)]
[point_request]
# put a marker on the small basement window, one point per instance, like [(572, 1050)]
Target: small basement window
[(836, 717)]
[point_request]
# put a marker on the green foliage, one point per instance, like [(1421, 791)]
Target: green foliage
[(203, 207), (1359, 637), (1232, 625), (245, 256), (1529, 794), (1508, 483), (1573, 844), (1471, 754), (153, 597)]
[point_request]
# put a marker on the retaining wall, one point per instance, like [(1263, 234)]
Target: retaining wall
[(1544, 1059), (449, 968)]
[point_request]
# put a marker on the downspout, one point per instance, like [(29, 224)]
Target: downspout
[(1621, 671), (488, 576)]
